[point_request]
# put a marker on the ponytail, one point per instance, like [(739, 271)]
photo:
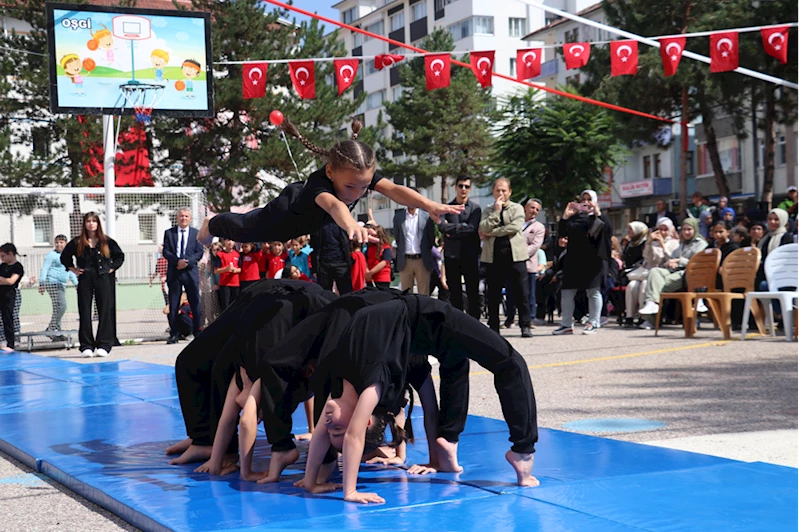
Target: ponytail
[(344, 154)]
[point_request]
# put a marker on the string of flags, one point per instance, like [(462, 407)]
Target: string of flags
[(623, 62)]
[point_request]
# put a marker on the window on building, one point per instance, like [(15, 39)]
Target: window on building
[(512, 67), (689, 162), (396, 93), (357, 40), (572, 35), (440, 4), (376, 28), (484, 25), (656, 158), (398, 21), (472, 26), (517, 27), (647, 166), (418, 10), (42, 229), (146, 227), (375, 99), (349, 15), (781, 155), (370, 67)]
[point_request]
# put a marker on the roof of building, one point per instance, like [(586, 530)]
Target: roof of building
[(586, 11)]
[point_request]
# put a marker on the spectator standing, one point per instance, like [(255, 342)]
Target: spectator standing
[(93, 257), (789, 203), (183, 252), (53, 278), (533, 232), (358, 270), (11, 272), (462, 248), (276, 259), (697, 206), (415, 236), (378, 259), (228, 272), (248, 262)]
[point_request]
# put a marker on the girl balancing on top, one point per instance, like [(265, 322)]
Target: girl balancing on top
[(330, 192)]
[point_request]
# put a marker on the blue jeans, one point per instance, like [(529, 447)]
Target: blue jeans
[(567, 296)]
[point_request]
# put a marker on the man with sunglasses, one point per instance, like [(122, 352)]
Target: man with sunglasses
[(462, 248)]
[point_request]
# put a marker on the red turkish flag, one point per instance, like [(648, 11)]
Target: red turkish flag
[(623, 58), (671, 53), (386, 60), (528, 63), (724, 51), (345, 73), (302, 76), (253, 80), (775, 42), (436, 68), (482, 66), (576, 54)]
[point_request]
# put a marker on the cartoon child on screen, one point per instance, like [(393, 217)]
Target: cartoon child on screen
[(104, 40), (73, 67), (191, 70), (159, 58)]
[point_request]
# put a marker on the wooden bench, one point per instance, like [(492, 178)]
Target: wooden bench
[(70, 335)]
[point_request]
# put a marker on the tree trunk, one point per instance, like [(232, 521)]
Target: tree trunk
[(684, 151), (713, 151), (769, 139), (443, 189)]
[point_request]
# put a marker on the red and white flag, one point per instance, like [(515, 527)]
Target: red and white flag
[(253, 80), (671, 53), (302, 76), (623, 58), (386, 60), (482, 66), (345, 73), (723, 51), (576, 54), (436, 68), (775, 42), (528, 63)]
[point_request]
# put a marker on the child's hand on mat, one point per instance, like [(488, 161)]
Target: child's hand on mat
[(364, 498), (422, 469), (439, 209), (394, 460)]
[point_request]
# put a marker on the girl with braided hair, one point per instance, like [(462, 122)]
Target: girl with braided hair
[(329, 195)]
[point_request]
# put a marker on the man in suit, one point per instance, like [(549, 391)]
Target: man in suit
[(415, 234), (182, 253), (462, 248)]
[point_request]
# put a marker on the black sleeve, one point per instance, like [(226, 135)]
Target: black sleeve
[(787, 238), (19, 270), (250, 227), (117, 256), (68, 254), (386, 256), (317, 183), (563, 227), (375, 180)]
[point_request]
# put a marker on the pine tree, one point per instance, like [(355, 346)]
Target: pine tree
[(555, 148), (445, 132)]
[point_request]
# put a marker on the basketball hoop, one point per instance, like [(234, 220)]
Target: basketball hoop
[(142, 97)]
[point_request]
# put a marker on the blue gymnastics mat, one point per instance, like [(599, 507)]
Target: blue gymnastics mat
[(101, 430)]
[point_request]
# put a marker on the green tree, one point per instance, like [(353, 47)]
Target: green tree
[(555, 148), (218, 153), (446, 132)]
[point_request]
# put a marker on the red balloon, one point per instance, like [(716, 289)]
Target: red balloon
[(276, 117)]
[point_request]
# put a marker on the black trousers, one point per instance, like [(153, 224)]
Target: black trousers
[(7, 314), (503, 270), (180, 281), (93, 286), (227, 295), (335, 271), (468, 269)]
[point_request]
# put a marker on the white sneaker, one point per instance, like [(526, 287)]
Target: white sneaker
[(701, 307), (87, 353), (100, 352), (649, 308)]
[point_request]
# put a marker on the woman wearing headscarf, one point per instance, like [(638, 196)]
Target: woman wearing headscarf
[(637, 232), (659, 247), (670, 277), (588, 231), (778, 235), (705, 224)]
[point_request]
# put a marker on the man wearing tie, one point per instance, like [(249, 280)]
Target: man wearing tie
[(182, 252)]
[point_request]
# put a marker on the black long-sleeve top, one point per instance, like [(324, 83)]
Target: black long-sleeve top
[(92, 259)]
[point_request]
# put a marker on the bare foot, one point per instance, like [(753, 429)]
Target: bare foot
[(257, 476), (195, 453), (303, 437), (6, 349), (278, 462), (523, 465), (227, 466), (447, 456), (204, 235), (179, 447)]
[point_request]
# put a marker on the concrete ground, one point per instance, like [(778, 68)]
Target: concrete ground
[(727, 398)]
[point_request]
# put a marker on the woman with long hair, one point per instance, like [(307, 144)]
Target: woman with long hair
[(98, 257)]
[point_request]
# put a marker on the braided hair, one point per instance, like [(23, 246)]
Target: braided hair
[(343, 154)]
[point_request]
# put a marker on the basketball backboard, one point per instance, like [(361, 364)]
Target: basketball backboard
[(99, 52)]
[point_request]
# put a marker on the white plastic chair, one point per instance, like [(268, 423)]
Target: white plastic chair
[(782, 270)]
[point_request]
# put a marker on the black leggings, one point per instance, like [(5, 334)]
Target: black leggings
[(227, 295), (7, 314)]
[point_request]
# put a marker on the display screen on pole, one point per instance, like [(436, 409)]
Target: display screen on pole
[(99, 54)]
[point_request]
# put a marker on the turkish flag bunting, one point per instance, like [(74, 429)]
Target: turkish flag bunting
[(386, 60), (302, 76), (623, 58), (436, 68), (775, 41), (576, 54), (724, 51), (253, 80), (671, 53), (345, 73), (528, 63), (482, 66)]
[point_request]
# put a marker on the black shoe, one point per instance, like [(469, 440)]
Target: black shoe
[(508, 324), (172, 340), (526, 332), (629, 323)]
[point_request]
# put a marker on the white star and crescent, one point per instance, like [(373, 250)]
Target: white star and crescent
[(677, 53), (480, 62), (297, 75), (724, 53), (433, 64), (530, 62), (771, 40), (343, 75), (260, 75), (574, 52), (624, 57)]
